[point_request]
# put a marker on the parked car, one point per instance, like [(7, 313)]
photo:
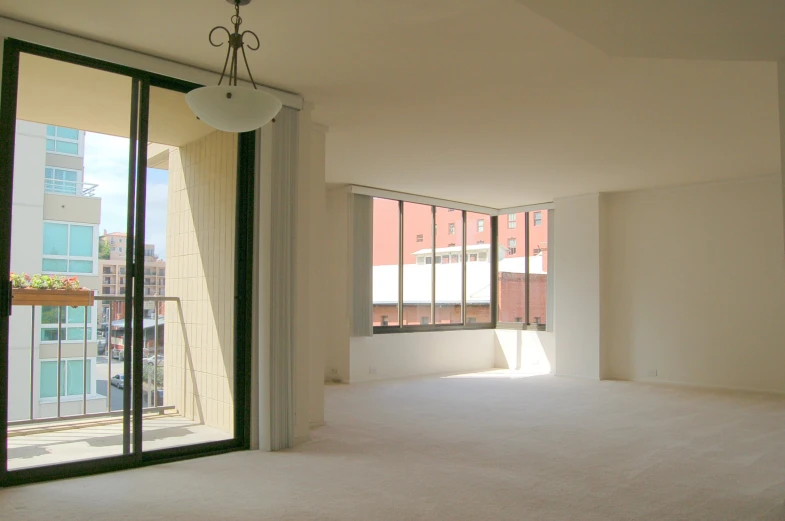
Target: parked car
[(151, 360), (118, 381)]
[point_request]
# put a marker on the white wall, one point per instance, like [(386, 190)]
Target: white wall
[(400, 355), (696, 285), (336, 337), (532, 352), (577, 286)]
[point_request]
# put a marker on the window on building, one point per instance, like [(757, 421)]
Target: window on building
[(111, 241), (386, 230), (61, 140), (122, 271), (72, 321), (451, 227), (472, 257), (121, 249), (72, 381), (471, 320), (481, 225), (67, 248), (537, 218), (519, 319), (424, 321), (419, 238), (512, 221), (417, 279), (60, 181), (482, 257), (512, 246)]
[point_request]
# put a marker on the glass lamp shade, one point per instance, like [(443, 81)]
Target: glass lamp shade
[(233, 109)]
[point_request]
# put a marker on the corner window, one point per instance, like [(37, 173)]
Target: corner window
[(67, 248)]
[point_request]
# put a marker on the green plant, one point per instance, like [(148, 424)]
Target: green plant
[(147, 373), (39, 281), (104, 250)]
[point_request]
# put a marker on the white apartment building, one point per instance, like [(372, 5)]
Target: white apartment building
[(54, 231)]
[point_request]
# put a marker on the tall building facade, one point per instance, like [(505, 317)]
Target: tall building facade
[(54, 231)]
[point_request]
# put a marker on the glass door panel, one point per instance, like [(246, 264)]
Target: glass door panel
[(66, 376), (188, 278)]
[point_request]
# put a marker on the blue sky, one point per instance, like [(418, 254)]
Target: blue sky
[(106, 164)]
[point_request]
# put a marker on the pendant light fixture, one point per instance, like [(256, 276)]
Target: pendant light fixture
[(229, 107)]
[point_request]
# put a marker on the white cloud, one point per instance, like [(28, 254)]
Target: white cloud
[(106, 164)]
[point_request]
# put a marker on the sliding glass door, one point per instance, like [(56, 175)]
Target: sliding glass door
[(121, 323)]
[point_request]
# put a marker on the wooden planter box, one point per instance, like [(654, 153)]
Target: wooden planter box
[(53, 297)]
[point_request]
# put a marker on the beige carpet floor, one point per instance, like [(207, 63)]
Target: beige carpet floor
[(542, 448)]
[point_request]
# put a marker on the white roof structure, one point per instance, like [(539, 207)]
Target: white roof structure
[(417, 281)]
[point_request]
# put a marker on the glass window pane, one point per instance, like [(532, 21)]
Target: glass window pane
[(55, 239), (478, 268), (50, 130), (417, 222), (76, 315), (48, 379), (512, 270), (538, 266), (74, 377), (74, 333), (55, 265), (68, 133), (81, 241), (66, 147), (48, 173), (49, 334), (49, 315), (69, 175), (50, 145), (386, 224), (80, 266), (449, 275)]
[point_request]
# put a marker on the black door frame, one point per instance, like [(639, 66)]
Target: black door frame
[(133, 456)]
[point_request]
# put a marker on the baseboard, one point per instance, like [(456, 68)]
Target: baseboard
[(705, 387), (316, 425)]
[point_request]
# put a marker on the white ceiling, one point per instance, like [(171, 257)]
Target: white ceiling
[(487, 101)]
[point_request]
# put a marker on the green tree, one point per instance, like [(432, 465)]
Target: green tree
[(103, 249)]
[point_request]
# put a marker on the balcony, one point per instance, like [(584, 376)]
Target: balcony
[(64, 187), (76, 413)]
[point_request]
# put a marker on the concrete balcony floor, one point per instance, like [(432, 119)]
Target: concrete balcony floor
[(56, 442)]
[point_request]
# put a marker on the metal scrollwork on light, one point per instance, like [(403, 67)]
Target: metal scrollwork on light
[(236, 42)]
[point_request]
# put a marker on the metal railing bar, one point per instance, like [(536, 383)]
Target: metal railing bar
[(59, 353), (53, 419)]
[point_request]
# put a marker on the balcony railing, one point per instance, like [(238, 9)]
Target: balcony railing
[(63, 187), (154, 389)]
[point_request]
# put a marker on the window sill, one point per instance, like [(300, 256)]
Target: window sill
[(384, 330)]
